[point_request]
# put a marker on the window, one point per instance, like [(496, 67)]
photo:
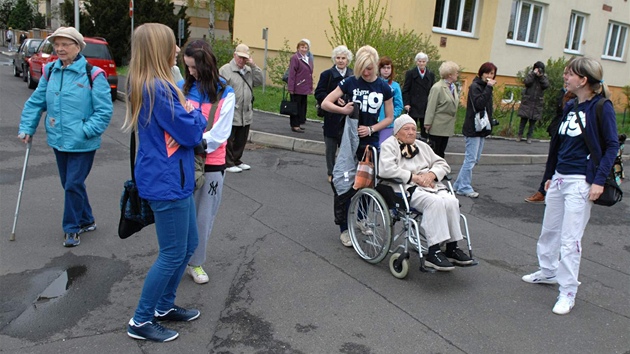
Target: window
[(455, 16), (575, 33), (615, 41), (525, 22)]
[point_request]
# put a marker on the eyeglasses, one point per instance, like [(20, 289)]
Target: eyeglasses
[(63, 45)]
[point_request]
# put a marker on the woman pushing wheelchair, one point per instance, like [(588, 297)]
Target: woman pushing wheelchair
[(411, 161)]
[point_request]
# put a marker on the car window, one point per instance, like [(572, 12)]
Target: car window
[(33, 44), (46, 47), (96, 50)]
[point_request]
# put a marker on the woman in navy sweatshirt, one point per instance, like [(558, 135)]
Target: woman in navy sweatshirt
[(573, 179)]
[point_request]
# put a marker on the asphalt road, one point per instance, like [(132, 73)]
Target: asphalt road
[(280, 281)]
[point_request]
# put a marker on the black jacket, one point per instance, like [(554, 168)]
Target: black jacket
[(415, 91), (479, 98), (328, 81)]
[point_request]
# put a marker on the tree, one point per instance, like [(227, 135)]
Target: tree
[(366, 24), (22, 15), (227, 6), (66, 14), (5, 11)]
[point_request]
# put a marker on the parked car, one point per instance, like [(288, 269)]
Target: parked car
[(20, 60), (96, 52)]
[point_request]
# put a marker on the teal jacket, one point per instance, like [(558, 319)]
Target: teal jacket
[(76, 114)]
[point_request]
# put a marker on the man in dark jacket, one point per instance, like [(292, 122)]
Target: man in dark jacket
[(415, 91), (531, 108)]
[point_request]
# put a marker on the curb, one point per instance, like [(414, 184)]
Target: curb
[(318, 148)]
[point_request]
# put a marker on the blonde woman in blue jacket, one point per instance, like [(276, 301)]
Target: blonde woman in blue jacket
[(168, 129), (78, 110)]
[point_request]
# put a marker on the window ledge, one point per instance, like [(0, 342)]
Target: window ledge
[(573, 52), (453, 32), (523, 44), (605, 57)]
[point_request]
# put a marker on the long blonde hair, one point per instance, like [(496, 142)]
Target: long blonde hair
[(152, 53)]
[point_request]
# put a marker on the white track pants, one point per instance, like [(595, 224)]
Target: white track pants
[(560, 244)]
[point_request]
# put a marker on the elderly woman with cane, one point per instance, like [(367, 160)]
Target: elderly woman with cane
[(78, 105)]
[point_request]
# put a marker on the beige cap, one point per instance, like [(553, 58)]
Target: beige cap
[(68, 32), (242, 50)]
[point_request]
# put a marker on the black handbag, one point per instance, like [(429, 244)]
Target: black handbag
[(612, 193), (135, 212), (288, 107)]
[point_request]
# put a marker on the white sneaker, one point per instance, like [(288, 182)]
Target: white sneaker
[(198, 274), (470, 195), (234, 169), (563, 305), (365, 228), (244, 166), (345, 239), (539, 278)]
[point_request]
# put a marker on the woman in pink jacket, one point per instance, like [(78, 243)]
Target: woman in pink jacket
[(300, 83)]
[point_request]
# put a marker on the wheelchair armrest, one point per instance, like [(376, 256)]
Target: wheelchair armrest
[(391, 180)]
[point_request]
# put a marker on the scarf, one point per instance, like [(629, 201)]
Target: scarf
[(408, 151)]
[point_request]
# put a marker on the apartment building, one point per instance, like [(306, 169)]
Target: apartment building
[(510, 33)]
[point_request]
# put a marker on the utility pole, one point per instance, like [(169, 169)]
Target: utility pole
[(76, 16)]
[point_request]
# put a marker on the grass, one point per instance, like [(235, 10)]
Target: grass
[(270, 101), (122, 70)]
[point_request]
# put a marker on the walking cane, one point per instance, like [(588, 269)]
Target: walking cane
[(17, 207)]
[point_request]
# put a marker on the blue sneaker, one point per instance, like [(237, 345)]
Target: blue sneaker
[(177, 314), (87, 228), (150, 331), (71, 239)]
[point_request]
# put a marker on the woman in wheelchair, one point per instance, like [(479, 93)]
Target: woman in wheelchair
[(404, 158)]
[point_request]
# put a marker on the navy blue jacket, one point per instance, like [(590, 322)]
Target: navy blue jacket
[(605, 134), (328, 82)]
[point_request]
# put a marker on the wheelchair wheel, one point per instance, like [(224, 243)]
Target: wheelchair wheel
[(369, 225), (399, 271)]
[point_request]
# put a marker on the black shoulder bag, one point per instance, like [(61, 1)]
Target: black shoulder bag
[(135, 212), (612, 193)]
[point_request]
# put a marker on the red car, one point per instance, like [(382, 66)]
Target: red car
[(96, 52)]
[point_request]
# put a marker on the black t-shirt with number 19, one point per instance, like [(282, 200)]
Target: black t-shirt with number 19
[(371, 96)]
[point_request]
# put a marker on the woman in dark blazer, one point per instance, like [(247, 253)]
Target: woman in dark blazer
[(479, 99), (333, 122), (415, 91), (300, 84)]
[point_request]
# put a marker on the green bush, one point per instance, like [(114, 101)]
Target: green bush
[(279, 64)]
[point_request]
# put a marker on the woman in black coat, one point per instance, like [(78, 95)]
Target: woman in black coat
[(333, 123), (479, 100)]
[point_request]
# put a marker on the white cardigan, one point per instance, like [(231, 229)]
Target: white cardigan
[(392, 165)]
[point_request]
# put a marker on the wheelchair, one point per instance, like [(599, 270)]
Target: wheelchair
[(372, 217)]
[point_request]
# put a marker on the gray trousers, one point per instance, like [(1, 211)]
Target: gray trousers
[(207, 201)]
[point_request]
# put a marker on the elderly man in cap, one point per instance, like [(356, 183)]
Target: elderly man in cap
[(78, 105), (243, 75), (413, 162)]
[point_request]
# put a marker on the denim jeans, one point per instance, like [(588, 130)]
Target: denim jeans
[(559, 246), (474, 147), (74, 168), (176, 229)]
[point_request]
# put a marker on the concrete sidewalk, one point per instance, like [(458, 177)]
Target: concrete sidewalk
[(273, 130)]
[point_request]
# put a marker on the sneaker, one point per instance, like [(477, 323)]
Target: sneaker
[(529, 140), (345, 239), (438, 261), (234, 169), (470, 195), (198, 274), (150, 331), (563, 305), (87, 228), (177, 314), (519, 138), (71, 239), (244, 166), (457, 256), (365, 228), (539, 278), (537, 198)]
